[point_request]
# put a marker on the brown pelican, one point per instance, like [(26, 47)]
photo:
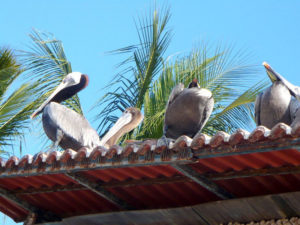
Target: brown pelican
[(188, 110), (277, 103), (129, 120), (67, 128)]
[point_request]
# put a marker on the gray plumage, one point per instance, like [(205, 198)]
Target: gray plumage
[(277, 103), (187, 111), (295, 112), (68, 128), (273, 106)]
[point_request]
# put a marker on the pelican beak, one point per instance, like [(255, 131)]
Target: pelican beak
[(121, 122), (271, 73), (274, 76), (41, 108)]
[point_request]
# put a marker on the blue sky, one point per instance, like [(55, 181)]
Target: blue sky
[(268, 29)]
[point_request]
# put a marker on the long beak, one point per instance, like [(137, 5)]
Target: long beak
[(40, 109), (121, 122), (274, 76)]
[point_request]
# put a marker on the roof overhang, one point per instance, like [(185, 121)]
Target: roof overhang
[(143, 176), (268, 207)]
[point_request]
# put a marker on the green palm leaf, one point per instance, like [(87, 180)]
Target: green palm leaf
[(16, 107), (9, 70), (15, 112), (222, 70), (238, 114), (47, 64), (143, 64), (233, 100)]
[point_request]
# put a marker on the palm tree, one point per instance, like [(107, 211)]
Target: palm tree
[(16, 106), (147, 59), (228, 80), (148, 78)]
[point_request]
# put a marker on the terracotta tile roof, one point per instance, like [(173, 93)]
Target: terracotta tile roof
[(201, 145), (142, 175)]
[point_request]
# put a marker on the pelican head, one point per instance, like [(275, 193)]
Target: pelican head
[(70, 85), (129, 120), (274, 76), (194, 83)]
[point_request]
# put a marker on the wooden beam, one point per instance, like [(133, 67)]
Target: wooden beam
[(233, 211), (41, 215), (99, 190), (283, 206), (147, 181), (111, 184), (44, 190), (203, 181)]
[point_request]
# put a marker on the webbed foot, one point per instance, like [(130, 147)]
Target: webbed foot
[(164, 141)]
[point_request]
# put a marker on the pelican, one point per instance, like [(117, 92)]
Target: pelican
[(129, 120), (188, 110), (69, 129), (278, 103)]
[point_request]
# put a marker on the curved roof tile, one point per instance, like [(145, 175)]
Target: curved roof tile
[(201, 142)]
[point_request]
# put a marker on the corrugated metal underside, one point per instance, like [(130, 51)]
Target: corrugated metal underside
[(193, 171), (141, 188), (251, 211)]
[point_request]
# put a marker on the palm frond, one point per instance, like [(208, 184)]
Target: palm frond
[(10, 70), (223, 70), (233, 104), (15, 107), (141, 67), (15, 112), (238, 114), (46, 63)]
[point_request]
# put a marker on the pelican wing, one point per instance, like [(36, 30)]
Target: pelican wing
[(175, 92), (188, 113), (295, 111), (73, 125), (257, 108)]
